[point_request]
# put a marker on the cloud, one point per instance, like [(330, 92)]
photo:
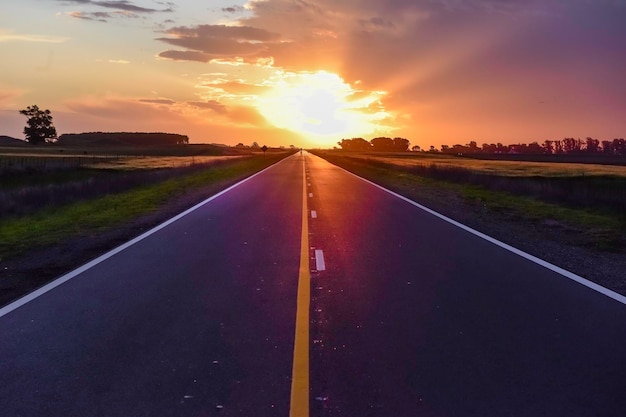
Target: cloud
[(186, 56), (8, 95), (234, 9), (118, 5), (102, 16), (241, 115), (7, 36), (163, 101), (217, 42), (238, 87), (214, 105)]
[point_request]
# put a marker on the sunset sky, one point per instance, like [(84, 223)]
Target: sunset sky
[(308, 73)]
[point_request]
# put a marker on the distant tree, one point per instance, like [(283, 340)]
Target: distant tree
[(416, 148), (255, 145), (401, 144), (619, 146), (382, 144), (534, 148), (558, 147), (592, 145), (548, 147), (355, 144), (489, 148), (39, 128), (472, 147), (607, 147), (571, 145)]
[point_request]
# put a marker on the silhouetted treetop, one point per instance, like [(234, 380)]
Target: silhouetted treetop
[(39, 128)]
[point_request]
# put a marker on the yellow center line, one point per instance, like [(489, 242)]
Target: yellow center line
[(300, 374)]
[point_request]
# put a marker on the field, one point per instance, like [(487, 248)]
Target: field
[(495, 167)]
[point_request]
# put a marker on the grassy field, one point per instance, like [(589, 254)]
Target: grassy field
[(496, 167), (587, 200), (42, 208)]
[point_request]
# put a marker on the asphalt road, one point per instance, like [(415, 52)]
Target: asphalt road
[(409, 315)]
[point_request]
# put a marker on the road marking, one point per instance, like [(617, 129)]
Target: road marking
[(567, 274), (300, 373), (310, 194), (313, 214), (320, 265), (51, 285)]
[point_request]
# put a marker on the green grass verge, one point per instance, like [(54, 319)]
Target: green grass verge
[(47, 227)]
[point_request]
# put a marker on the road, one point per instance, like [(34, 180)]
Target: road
[(306, 290)]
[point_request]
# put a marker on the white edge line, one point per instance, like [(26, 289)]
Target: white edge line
[(51, 285), (584, 281), (320, 265)]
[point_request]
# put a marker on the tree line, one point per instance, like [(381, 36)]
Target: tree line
[(570, 146), (381, 144)]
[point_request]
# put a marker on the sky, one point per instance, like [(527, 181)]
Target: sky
[(311, 72)]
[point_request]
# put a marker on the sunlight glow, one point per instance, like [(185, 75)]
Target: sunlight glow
[(321, 106)]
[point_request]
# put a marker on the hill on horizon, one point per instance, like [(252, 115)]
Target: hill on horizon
[(9, 141)]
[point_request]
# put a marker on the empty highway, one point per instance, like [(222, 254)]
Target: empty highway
[(305, 290)]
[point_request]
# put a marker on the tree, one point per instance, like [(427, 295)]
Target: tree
[(592, 145), (355, 144), (39, 128), (382, 144), (401, 144)]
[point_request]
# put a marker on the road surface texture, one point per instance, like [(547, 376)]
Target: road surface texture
[(409, 315)]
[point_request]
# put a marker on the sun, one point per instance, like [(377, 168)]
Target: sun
[(320, 106)]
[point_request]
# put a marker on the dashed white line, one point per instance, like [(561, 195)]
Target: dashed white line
[(313, 214), (320, 265), (310, 194)]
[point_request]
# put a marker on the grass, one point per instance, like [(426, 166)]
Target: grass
[(51, 225), (496, 167), (585, 215), (157, 162)]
